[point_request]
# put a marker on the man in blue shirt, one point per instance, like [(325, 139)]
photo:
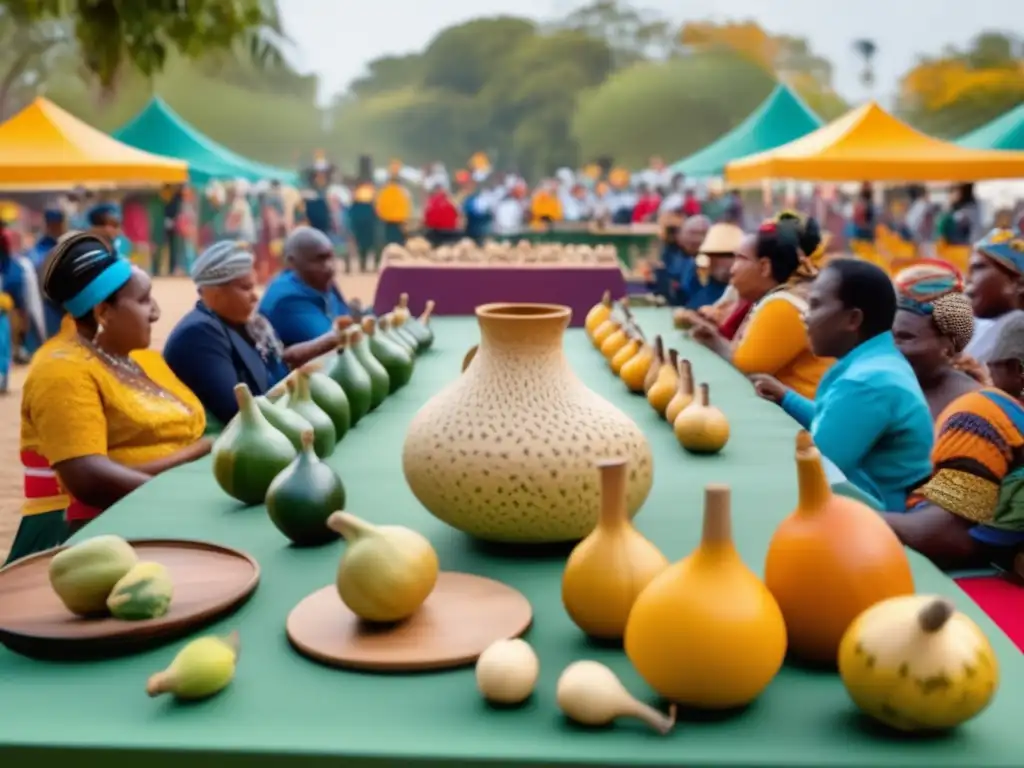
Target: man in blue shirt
[(869, 416), (55, 225), (303, 301)]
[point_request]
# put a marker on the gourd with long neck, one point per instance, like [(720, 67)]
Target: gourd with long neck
[(396, 359), (287, 422), (329, 395), (304, 496), (655, 367), (700, 427), (835, 546), (419, 327), (400, 329), (386, 329), (349, 373), (631, 348), (379, 379), (301, 401), (684, 392), (706, 632), (250, 452), (665, 386), (634, 372), (608, 569), (598, 314)]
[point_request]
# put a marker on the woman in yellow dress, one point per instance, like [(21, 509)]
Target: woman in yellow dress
[(101, 413)]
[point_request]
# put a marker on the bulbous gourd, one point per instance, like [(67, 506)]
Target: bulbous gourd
[(304, 496), (379, 379), (915, 663), (83, 574), (598, 314), (664, 388), (144, 592), (830, 546), (329, 395), (285, 421), (349, 373), (386, 329), (400, 331), (395, 359), (654, 370), (700, 427), (625, 354), (300, 400), (202, 668), (634, 372), (706, 632), (604, 330), (684, 392), (614, 343), (609, 569), (250, 452)]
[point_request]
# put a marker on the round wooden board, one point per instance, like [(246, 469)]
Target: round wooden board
[(461, 618), (209, 582)]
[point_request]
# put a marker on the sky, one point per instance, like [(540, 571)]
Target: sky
[(336, 38)]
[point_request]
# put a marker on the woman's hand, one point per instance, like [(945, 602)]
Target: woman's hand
[(977, 371), (198, 449), (769, 388)]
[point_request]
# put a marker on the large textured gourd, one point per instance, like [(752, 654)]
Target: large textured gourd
[(660, 358), (303, 496), (684, 392), (598, 314), (397, 362), (832, 546), (300, 400), (706, 632), (915, 663), (608, 570), (285, 421), (631, 347), (83, 574), (664, 388), (249, 452), (379, 379), (634, 372), (350, 375), (329, 395), (144, 592), (701, 427)]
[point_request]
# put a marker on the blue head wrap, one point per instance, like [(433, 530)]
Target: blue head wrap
[(53, 216), (101, 288), (1005, 247), (102, 210)]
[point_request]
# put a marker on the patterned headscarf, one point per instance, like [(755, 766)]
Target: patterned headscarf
[(810, 263), (934, 289), (1006, 248)]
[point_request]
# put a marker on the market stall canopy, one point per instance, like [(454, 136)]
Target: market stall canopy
[(869, 144), (43, 145), (158, 128), (1005, 132), (781, 118)]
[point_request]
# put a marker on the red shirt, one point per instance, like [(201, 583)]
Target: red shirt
[(646, 209), (441, 213), (691, 206)]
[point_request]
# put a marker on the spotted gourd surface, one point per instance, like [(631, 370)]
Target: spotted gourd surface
[(507, 452)]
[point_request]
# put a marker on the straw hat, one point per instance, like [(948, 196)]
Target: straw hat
[(722, 239)]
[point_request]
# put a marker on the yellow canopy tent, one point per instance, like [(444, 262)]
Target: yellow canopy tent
[(43, 145), (869, 144)]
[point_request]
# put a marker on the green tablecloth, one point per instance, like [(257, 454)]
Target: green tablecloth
[(295, 713), (628, 246)]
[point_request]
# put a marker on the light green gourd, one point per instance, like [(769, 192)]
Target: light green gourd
[(144, 592)]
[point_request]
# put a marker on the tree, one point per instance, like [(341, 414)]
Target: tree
[(388, 73), (633, 35), (28, 53), (464, 58)]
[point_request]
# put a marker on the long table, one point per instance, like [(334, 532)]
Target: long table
[(284, 710), (458, 288), (629, 245)]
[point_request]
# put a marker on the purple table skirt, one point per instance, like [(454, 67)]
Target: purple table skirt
[(459, 290)]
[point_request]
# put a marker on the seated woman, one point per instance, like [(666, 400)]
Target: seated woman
[(224, 341), (971, 511), (773, 270), (101, 414), (995, 284)]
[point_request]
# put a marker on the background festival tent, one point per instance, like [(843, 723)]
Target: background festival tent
[(781, 118), (44, 145), (869, 144), (158, 128), (1005, 132)]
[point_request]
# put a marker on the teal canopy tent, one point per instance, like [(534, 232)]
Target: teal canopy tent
[(780, 119), (1005, 132), (161, 130)]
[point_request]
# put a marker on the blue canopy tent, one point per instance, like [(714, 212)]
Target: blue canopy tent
[(1005, 132)]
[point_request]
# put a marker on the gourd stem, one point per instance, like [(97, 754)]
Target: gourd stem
[(934, 616), (349, 526), (658, 721), (427, 310), (344, 339), (369, 326), (302, 386), (160, 683), (307, 440), (606, 299), (717, 530), (685, 378), (403, 300), (659, 350), (383, 324), (703, 395), (814, 490), (613, 491), (673, 359), (246, 404)]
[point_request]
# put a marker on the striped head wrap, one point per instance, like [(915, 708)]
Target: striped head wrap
[(1006, 248), (222, 262), (935, 289)]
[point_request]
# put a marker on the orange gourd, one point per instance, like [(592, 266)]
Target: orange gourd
[(829, 561), (706, 632), (604, 330), (627, 352), (614, 343), (700, 427), (684, 392), (655, 367), (664, 388), (598, 314), (634, 372)]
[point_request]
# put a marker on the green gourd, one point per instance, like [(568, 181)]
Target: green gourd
[(250, 452), (353, 378), (380, 380), (303, 496), (328, 394), (394, 358), (420, 328), (301, 401), (393, 333), (287, 422)]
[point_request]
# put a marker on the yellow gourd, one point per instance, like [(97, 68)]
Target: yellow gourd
[(655, 368), (915, 663), (684, 392), (625, 354), (607, 570), (706, 632), (664, 388), (598, 314), (614, 343), (604, 330), (700, 427), (634, 372)]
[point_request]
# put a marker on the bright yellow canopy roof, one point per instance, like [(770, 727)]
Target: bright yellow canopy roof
[(869, 144), (43, 144)]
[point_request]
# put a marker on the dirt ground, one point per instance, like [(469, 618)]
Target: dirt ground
[(176, 296)]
